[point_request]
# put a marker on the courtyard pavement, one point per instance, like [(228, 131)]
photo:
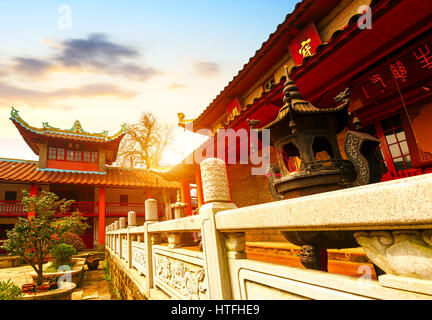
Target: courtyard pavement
[(93, 285)]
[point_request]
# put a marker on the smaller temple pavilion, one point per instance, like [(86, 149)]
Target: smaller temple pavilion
[(77, 165)]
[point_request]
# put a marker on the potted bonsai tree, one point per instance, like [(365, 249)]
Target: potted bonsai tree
[(32, 238)]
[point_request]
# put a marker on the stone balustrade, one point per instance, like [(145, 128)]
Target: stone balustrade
[(393, 221)]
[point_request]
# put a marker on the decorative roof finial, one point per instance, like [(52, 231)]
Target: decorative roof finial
[(14, 112), (290, 89)]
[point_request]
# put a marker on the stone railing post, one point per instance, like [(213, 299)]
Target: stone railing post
[(151, 211), (131, 223), (151, 215), (122, 225), (216, 198), (175, 239), (116, 227)]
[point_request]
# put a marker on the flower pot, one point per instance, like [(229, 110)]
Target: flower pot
[(92, 262), (28, 287), (43, 288), (53, 284)]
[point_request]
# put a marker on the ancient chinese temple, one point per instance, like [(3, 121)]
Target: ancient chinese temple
[(380, 50), (77, 165)]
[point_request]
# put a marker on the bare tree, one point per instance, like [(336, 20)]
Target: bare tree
[(144, 142)]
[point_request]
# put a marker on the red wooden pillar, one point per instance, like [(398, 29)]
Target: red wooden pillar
[(149, 194), (186, 197), (33, 192), (101, 215), (200, 194)]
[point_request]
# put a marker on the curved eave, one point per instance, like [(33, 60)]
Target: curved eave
[(32, 136)]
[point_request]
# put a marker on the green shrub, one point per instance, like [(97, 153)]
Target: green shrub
[(100, 248), (74, 240), (10, 291), (107, 274), (62, 254)]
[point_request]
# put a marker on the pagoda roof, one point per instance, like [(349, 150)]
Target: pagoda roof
[(26, 171), (33, 135), (295, 106)]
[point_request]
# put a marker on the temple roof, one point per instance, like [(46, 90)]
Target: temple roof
[(33, 135), (25, 171)]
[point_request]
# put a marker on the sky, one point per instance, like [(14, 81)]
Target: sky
[(105, 62)]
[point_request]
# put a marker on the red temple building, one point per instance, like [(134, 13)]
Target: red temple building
[(77, 165), (327, 46)]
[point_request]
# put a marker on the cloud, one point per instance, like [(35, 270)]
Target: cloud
[(95, 54), (30, 66), (3, 73), (98, 54), (174, 86), (206, 68), (95, 90), (13, 95)]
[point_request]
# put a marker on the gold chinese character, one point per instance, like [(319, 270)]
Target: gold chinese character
[(305, 49)]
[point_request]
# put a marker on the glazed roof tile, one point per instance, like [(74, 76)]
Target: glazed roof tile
[(23, 171)]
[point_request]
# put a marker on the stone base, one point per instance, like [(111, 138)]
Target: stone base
[(63, 293), (76, 273), (407, 284), (124, 279), (10, 262)]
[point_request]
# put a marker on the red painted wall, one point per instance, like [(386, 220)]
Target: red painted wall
[(72, 165)]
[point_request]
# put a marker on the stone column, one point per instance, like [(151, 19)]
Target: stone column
[(216, 198), (151, 210), (131, 218), (122, 223)]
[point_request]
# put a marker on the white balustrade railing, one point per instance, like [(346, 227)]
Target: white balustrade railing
[(395, 219)]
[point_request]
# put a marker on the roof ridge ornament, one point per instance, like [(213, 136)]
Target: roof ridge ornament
[(14, 112), (46, 125), (77, 127)]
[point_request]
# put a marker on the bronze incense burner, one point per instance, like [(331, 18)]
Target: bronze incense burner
[(310, 162)]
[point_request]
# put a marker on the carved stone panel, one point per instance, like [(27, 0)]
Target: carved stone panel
[(125, 250), (185, 279), (139, 257)]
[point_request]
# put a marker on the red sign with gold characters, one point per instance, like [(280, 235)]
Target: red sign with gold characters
[(305, 43), (407, 67)]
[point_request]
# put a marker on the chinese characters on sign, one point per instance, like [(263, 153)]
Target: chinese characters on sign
[(408, 67), (304, 44), (305, 49)]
